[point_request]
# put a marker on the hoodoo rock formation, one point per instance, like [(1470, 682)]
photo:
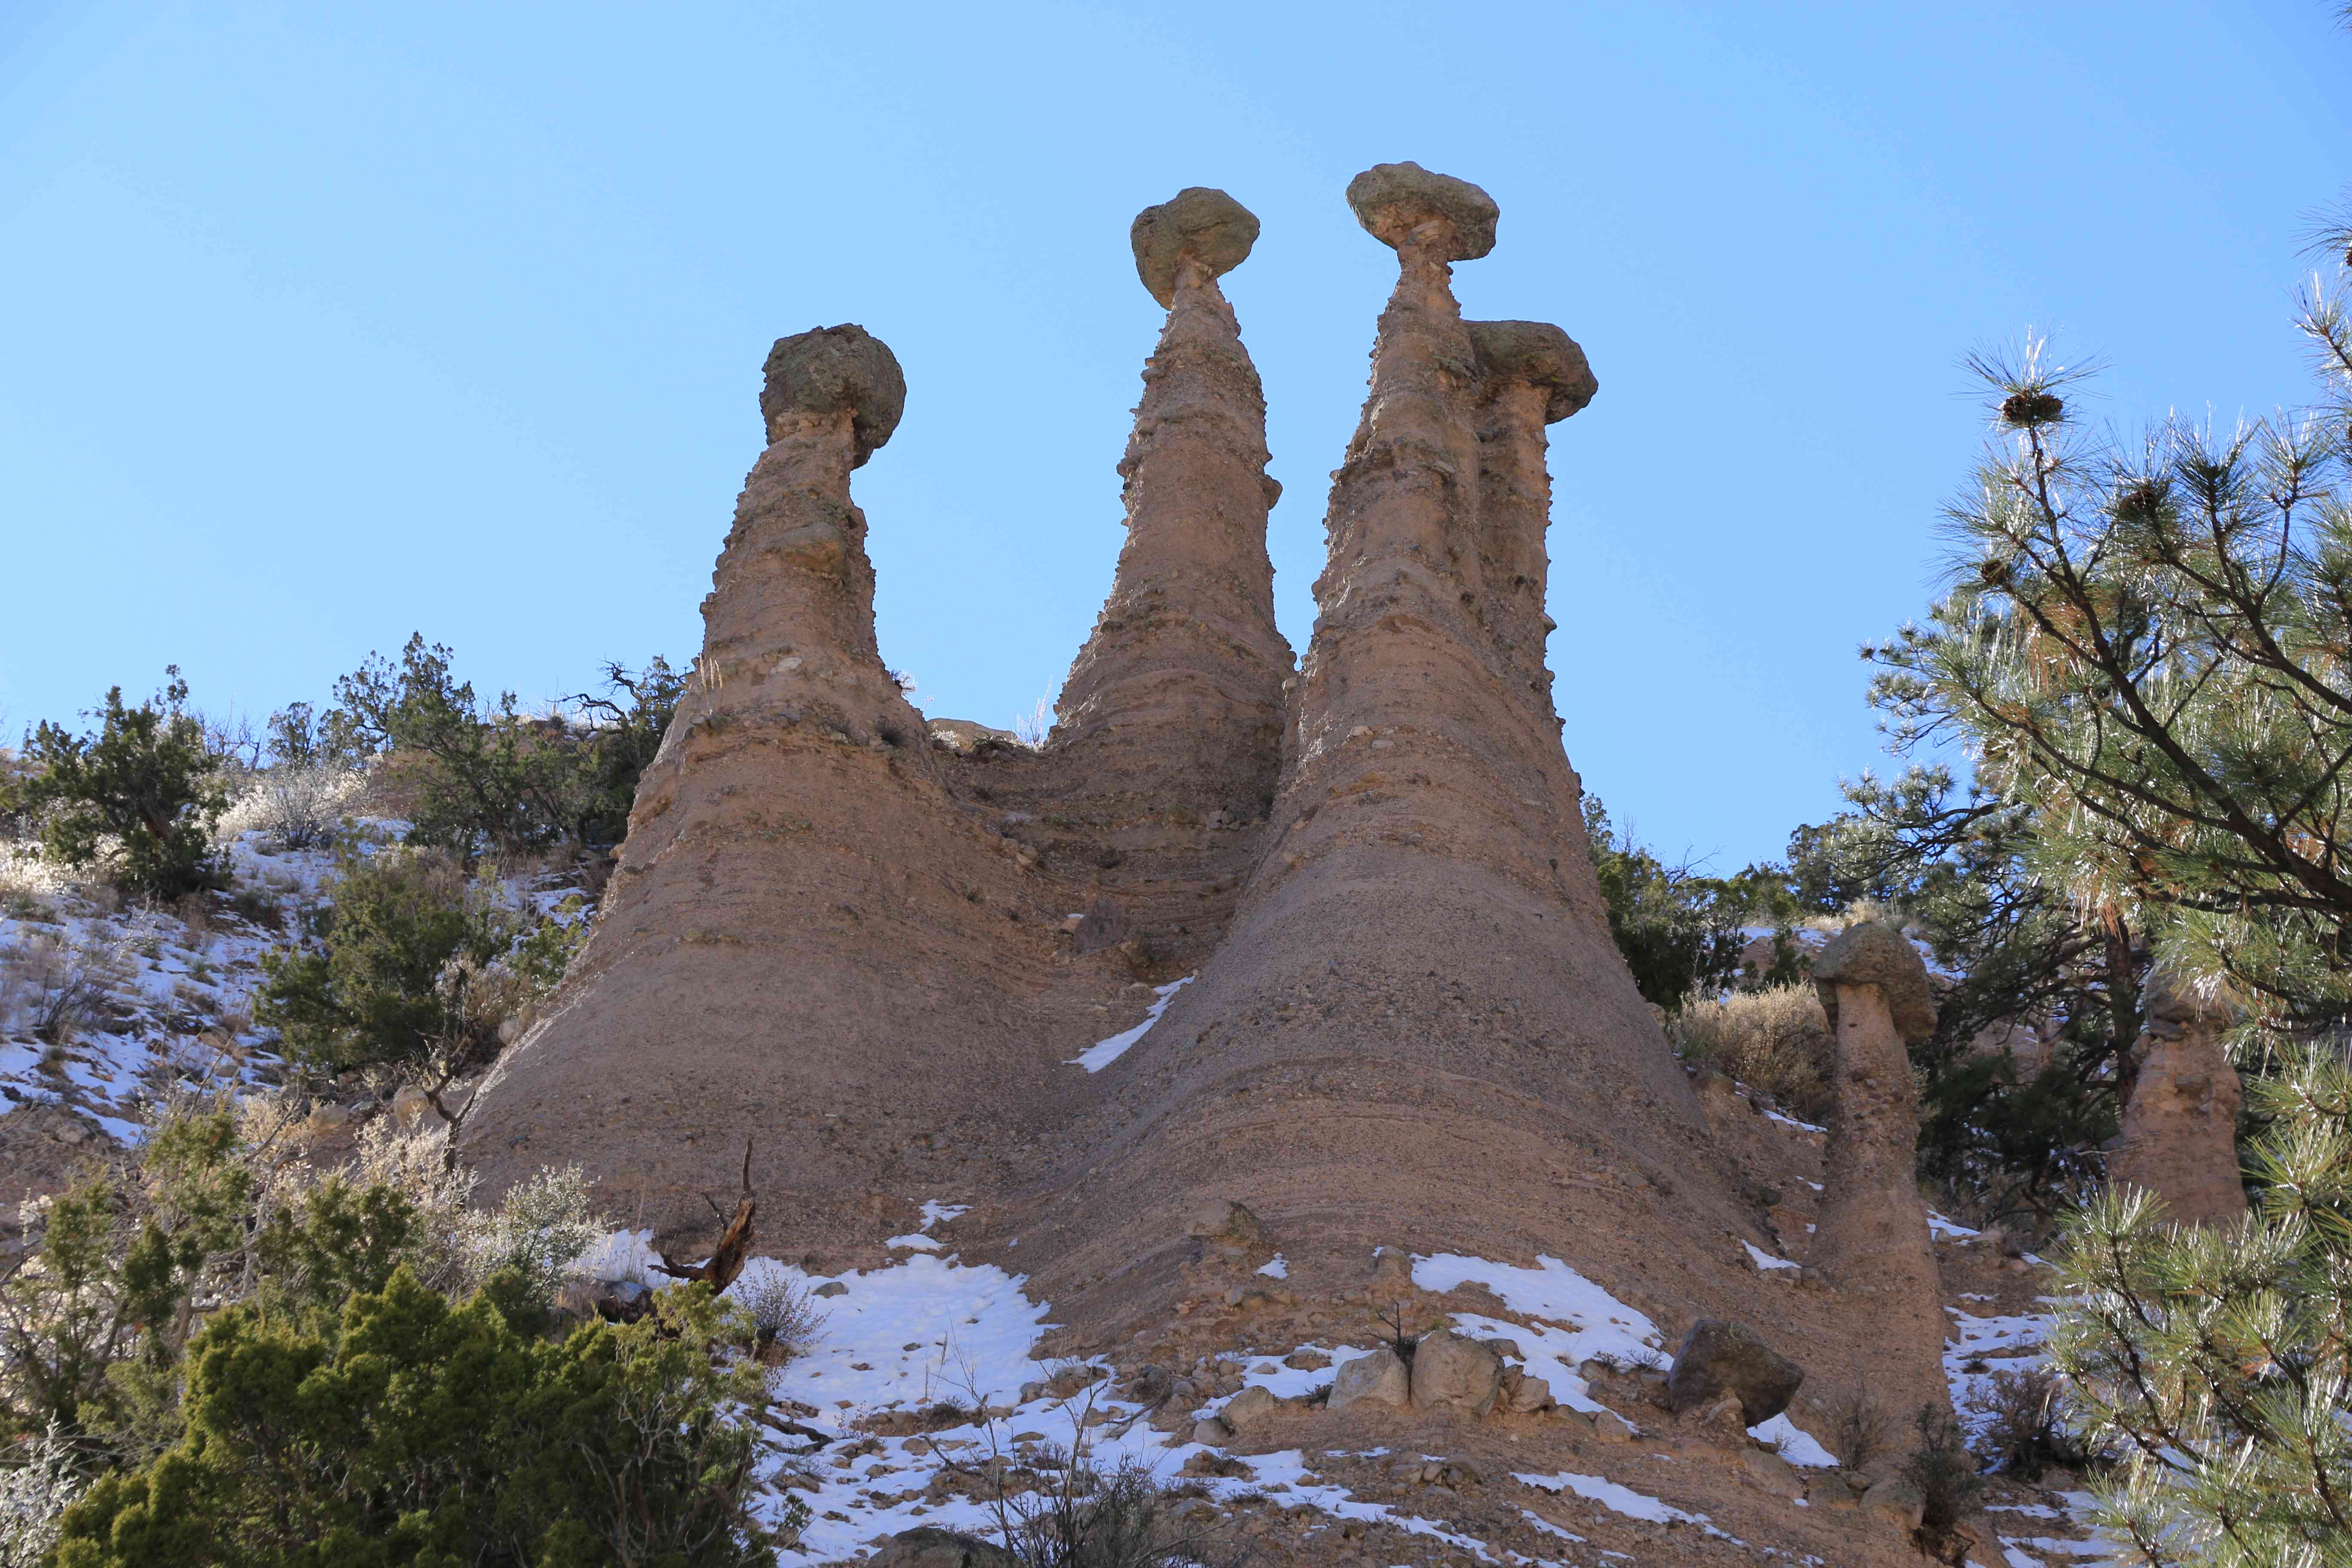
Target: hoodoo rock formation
[(1871, 1242), (1417, 1030), (847, 932), (799, 914), (2180, 1134), (1170, 722)]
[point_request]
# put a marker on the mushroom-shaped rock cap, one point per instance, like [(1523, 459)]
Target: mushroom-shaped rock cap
[(2176, 1001), (1391, 200), (1540, 354), (837, 370), (1207, 225), (1873, 953)]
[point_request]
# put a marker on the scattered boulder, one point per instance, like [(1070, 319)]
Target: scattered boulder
[(1719, 1358), (1392, 200), (927, 1546), (1226, 1224), (1216, 1466), (1897, 1501), (831, 1288), (1774, 1474), (1412, 1471), (1453, 1371), (1213, 1430), (1201, 224), (1612, 1428), (1250, 1406), (1380, 1377), (1526, 1395), (837, 370)]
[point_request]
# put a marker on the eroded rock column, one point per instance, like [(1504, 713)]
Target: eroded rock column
[(1871, 1243), (1169, 725), (805, 945), (2180, 1136), (1417, 1033)]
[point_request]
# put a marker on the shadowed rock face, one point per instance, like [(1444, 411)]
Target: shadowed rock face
[(1871, 1241), (2179, 1134)]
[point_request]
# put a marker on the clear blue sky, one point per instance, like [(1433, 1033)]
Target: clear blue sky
[(326, 323)]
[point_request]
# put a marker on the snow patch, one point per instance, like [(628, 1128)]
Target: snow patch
[(1577, 1319), (1102, 1053), (1796, 1445)]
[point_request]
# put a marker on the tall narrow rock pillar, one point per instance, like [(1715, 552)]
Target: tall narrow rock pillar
[(2180, 1136), (791, 843), (1871, 1240), (1418, 1034), (1172, 712)]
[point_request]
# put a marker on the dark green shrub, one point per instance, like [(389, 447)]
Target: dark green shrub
[(374, 992), (1942, 1470), (479, 774), (414, 973), (1678, 931), (417, 1432), (141, 789)]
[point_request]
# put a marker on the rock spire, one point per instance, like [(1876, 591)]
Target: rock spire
[(1871, 1239), (790, 835), (848, 931), (1170, 722), (1418, 1006), (2179, 1135)]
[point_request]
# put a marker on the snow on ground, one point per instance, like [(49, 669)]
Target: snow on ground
[(1102, 1053), (1763, 1259), (1796, 1445), (1997, 1344), (928, 1330), (171, 997), (1622, 1499), (174, 997), (1576, 1318)]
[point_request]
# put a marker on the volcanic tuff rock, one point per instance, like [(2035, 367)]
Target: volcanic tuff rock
[(1871, 1240), (2179, 1135), (849, 933)]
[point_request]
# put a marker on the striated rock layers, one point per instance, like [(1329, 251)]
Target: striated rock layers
[(847, 934), (1169, 731), (2180, 1134), (799, 921), (1871, 1242), (1417, 1030)]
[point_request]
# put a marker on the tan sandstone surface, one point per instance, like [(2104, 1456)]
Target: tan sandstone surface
[(1871, 1243), (2180, 1134), (871, 944)]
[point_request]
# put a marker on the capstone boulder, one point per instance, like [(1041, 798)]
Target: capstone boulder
[(1719, 1358)]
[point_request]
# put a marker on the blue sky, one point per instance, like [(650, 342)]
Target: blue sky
[(327, 323)]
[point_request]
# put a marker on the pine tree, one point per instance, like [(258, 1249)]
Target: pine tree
[(141, 792), (2149, 651)]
